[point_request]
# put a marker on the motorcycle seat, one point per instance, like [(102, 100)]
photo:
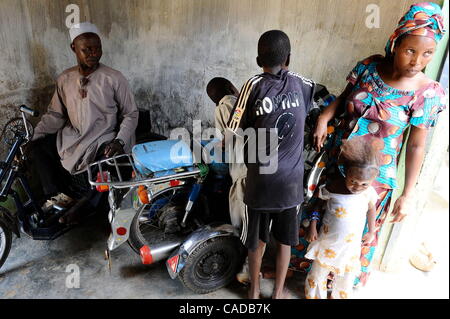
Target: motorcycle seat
[(161, 156)]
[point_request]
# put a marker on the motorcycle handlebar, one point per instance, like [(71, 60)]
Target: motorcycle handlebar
[(26, 109)]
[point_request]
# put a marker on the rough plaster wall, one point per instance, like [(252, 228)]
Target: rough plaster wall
[(169, 49)]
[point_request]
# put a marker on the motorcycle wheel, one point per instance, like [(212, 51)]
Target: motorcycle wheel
[(5, 241), (213, 264), (145, 226)]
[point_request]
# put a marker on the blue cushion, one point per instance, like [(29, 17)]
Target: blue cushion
[(161, 156)]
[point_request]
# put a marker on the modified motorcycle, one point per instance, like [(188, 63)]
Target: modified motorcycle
[(173, 208)]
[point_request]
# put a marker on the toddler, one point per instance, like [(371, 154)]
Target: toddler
[(350, 199)]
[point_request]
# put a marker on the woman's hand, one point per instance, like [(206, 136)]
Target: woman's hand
[(368, 238), (320, 134), (415, 151), (399, 212), (335, 108), (311, 234)]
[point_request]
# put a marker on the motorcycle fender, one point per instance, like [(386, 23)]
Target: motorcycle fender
[(121, 219), (177, 259)]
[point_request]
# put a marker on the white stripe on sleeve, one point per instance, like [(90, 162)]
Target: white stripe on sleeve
[(242, 103)]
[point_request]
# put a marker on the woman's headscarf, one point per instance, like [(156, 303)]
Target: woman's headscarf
[(424, 19)]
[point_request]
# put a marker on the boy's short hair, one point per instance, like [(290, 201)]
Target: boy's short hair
[(217, 88), (274, 48)]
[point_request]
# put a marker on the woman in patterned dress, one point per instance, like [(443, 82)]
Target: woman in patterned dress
[(385, 95)]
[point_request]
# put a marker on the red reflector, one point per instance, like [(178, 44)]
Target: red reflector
[(173, 263), (146, 255), (312, 187), (121, 231), (174, 182), (105, 179), (102, 188)]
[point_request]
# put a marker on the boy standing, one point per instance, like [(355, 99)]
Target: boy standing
[(274, 100)]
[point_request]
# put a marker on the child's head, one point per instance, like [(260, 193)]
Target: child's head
[(217, 88), (360, 161), (274, 49)]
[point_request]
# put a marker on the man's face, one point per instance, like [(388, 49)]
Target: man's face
[(88, 49), (413, 54)]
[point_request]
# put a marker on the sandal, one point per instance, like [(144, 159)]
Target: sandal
[(423, 259)]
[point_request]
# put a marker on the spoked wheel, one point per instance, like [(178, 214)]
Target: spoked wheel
[(213, 264), (5, 241), (16, 127), (146, 228)]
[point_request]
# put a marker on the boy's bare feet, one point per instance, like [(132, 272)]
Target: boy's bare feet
[(285, 294), (255, 292)]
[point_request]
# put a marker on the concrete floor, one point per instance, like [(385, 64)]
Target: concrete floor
[(37, 269)]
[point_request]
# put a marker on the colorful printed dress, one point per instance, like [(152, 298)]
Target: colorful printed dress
[(374, 108)]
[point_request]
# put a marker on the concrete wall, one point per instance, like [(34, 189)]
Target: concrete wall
[(169, 49)]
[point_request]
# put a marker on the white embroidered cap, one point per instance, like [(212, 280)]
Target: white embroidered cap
[(81, 28)]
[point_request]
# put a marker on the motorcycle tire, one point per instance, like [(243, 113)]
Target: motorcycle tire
[(5, 241), (136, 240), (213, 264)]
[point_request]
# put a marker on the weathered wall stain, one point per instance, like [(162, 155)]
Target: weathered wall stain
[(169, 49)]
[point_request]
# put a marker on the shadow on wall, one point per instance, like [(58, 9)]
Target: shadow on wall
[(164, 119), (39, 97)]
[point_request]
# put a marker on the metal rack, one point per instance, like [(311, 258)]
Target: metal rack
[(126, 160)]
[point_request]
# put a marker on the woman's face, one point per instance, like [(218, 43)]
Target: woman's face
[(413, 54)]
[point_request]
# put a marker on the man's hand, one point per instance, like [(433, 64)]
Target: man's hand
[(113, 148)]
